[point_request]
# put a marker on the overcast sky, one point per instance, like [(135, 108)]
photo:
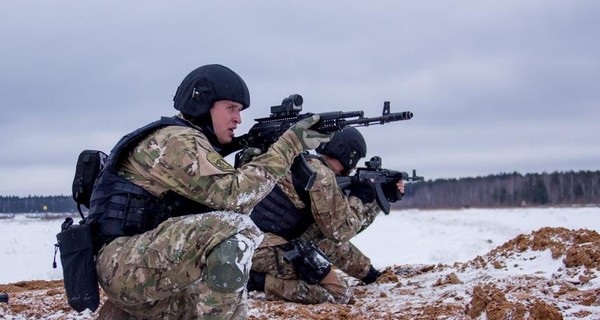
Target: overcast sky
[(495, 86)]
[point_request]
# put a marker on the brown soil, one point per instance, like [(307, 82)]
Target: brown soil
[(469, 290)]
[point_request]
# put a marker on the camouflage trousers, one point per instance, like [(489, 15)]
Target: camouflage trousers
[(281, 282), (161, 274)]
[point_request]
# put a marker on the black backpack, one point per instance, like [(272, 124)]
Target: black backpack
[(75, 241), (89, 165)]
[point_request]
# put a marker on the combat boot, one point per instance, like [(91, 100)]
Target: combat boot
[(256, 281)]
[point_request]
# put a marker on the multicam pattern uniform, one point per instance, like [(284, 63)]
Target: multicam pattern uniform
[(158, 274), (337, 219)]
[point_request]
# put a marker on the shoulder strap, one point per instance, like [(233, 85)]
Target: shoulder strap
[(303, 177)]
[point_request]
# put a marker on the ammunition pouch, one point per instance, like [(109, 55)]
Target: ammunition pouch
[(310, 263), (142, 214)]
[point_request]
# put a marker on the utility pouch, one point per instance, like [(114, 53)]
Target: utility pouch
[(310, 263), (79, 268), (89, 165), (135, 221), (142, 214)]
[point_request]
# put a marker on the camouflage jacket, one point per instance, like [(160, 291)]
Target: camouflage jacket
[(337, 216), (181, 159)]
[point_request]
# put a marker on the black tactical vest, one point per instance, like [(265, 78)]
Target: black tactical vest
[(119, 207), (277, 214)]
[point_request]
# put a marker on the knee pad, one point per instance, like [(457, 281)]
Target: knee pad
[(228, 264)]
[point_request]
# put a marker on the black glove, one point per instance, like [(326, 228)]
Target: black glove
[(246, 155), (364, 190), (371, 276), (391, 192)]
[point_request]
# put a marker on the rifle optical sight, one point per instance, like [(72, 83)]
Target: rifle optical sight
[(374, 163), (290, 106)]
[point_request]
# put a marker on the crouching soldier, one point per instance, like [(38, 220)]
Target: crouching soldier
[(170, 216), (306, 231)]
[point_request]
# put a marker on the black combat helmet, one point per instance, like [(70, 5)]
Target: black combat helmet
[(206, 85), (347, 146)]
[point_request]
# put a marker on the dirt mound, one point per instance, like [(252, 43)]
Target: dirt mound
[(549, 274), (579, 247), (494, 303)]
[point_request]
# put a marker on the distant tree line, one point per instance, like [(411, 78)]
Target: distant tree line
[(37, 204), (503, 190)]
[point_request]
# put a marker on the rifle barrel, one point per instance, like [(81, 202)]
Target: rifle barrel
[(390, 117), (397, 116)]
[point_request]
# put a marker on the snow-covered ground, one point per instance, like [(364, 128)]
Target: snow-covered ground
[(439, 264), (402, 237), (447, 236)]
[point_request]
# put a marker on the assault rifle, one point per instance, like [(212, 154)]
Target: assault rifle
[(267, 130), (378, 176)]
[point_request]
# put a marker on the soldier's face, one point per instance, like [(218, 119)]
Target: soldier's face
[(225, 118), (335, 165)]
